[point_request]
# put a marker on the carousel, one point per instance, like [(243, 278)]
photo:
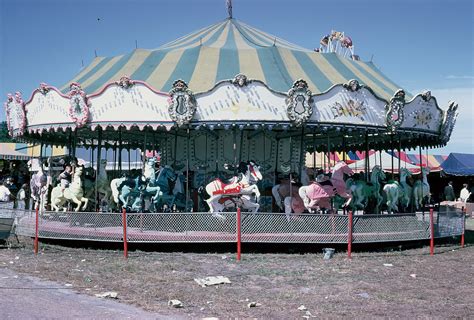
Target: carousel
[(223, 119)]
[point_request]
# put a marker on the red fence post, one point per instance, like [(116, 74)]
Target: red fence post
[(463, 226), (431, 232), (349, 236), (125, 244), (239, 233), (36, 229)]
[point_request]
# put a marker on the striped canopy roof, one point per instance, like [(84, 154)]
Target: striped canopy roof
[(229, 47)]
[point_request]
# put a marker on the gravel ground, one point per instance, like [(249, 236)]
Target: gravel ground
[(394, 284)]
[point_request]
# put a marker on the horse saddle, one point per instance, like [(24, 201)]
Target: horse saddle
[(228, 187)]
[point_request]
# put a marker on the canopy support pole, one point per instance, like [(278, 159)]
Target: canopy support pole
[(393, 154), (302, 153), (120, 152), (314, 153), (144, 150), (99, 150), (187, 170), (367, 161), (399, 153)]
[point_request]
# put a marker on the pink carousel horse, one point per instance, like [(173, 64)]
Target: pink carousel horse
[(318, 194)]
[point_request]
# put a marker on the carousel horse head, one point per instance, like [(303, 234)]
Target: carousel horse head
[(252, 170), (342, 168)]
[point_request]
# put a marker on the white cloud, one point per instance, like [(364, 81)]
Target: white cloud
[(462, 138), (454, 77)]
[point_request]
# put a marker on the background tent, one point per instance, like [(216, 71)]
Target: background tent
[(459, 164), (432, 161), (322, 159), (374, 159), (23, 151)]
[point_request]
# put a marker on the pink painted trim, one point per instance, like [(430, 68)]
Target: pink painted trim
[(135, 82), (37, 90), (10, 98)]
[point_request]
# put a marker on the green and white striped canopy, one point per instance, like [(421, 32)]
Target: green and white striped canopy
[(221, 51)]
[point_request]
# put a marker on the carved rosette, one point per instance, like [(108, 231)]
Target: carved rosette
[(78, 105), (16, 116), (426, 96), (395, 116), (352, 85), (241, 80), (43, 88), (125, 82), (449, 121), (299, 103), (182, 103)]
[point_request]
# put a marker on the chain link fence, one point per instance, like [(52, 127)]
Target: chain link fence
[(256, 228)]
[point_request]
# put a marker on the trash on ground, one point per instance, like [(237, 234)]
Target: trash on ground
[(108, 294), (413, 275), (175, 303), (328, 253), (364, 295), (211, 281), (253, 304), (388, 265), (302, 308)]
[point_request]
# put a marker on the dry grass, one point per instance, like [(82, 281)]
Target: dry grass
[(361, 287)]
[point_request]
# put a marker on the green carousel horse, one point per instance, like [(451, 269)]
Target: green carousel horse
[(362, 191)]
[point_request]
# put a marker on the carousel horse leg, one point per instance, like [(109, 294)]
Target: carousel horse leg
[(277, 197), (288, 210)]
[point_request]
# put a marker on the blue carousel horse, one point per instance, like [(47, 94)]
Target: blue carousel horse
[(171, 183)]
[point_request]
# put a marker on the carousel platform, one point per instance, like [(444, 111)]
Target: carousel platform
[(255, 228)]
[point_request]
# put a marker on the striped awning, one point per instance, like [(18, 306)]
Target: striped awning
[(432, 161), (23, 151), (221, 51), (322, 160)]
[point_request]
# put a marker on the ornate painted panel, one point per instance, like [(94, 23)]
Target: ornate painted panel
[(48, 108), (229, 102), (423, 112), (135, 103), (349, 104)]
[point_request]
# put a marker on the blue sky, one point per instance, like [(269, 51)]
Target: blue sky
[(419, 44)]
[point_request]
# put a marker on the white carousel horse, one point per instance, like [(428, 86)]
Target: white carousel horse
[(237, 192), (72, 193), (421, 188), (320, 192), (391, 190), (39, 188), (398, 192), (361, 191)]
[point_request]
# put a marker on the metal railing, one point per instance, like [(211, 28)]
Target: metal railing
[(256, 228)]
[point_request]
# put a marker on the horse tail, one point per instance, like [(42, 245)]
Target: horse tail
[(203, 196)]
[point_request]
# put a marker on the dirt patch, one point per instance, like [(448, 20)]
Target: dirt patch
[(396, 284)]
